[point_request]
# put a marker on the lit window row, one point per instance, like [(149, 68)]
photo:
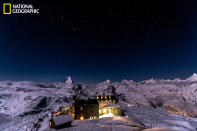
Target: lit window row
[(104, 97), (93, 117)]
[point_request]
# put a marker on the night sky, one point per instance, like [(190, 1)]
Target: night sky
[(97, 40)]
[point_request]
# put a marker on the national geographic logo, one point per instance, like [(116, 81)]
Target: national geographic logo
[(9, 8)]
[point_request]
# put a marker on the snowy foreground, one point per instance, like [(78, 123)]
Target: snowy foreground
[(27, 105)]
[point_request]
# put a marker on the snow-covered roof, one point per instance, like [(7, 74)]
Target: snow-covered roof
[(61, 119)]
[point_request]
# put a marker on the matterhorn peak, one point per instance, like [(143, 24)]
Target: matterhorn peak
[(68, 80), (193, 77)]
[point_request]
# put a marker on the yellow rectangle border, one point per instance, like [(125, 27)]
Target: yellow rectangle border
[(7, 4)]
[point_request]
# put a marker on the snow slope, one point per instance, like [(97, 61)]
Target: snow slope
[(27, 105)]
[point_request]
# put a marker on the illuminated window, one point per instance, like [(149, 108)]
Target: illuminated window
[(81, 108), (97, 97)]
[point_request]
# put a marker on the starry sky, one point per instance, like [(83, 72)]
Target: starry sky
[(94, 40)]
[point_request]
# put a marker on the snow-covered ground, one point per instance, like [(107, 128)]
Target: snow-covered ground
[(27, 105)]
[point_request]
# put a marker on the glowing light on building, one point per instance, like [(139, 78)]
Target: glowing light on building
[(81, 118), (50, 124), (105, 111), (109, 110)]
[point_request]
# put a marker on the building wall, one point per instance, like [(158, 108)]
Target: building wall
[(116, 111), (86, 111)]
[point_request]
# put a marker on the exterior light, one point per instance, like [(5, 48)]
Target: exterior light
[(81, 118), (50, 124), (105, 111)]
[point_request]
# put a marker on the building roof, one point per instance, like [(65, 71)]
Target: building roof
[(88, 101), (62, 119)]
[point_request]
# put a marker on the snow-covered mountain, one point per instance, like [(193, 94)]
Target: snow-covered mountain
[(27, 105), (192, 78), (69, 80)]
